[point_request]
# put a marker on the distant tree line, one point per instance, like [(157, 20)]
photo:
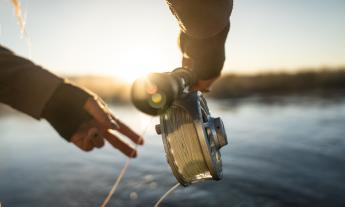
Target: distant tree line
[(316, 82)]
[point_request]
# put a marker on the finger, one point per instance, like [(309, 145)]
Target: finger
[(100, 114), (95, 137), (107, 111), (80, 144), (203, 85), (128, 132), (79, 136), (87, 145), (119, 144), (77, 141)]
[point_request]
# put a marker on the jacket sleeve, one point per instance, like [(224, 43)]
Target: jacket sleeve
[(23, 85), (204, 27), (31, 89)]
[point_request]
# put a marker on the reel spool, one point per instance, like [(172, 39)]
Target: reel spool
[(192, 139)]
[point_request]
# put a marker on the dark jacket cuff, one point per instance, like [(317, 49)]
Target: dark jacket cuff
[(205, 57), (65, 109)]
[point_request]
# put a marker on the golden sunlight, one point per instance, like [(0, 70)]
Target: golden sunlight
[(129, 75), (143, 60)]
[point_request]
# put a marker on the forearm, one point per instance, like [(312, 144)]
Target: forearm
[(41, 94), (204, 27), (23, 85), (205, 57)]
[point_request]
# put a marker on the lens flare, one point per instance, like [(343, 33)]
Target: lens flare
[(156, 98), (151, 89)]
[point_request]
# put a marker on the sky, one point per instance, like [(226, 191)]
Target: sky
[(129, 38)]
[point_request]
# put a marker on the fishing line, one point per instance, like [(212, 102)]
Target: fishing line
[(184, 147), (123, 171), (166, 194)]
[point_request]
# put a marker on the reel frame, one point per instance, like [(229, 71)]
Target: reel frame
[(210, 133)]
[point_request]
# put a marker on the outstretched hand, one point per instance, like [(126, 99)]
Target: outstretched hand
[(95, 132)]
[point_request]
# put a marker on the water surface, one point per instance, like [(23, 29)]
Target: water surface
[(285, 154)]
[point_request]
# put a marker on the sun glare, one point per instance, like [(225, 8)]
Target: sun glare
[(131, 74), (142, 60)]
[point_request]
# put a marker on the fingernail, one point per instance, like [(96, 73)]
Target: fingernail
[(141, 141), (134, 154)]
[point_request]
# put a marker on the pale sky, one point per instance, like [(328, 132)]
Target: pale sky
[(128, 38)]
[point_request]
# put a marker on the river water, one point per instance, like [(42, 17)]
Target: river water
[(285, 153)]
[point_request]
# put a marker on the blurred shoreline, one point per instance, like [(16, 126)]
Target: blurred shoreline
[(305, 86), (322, 83), (327, 83)]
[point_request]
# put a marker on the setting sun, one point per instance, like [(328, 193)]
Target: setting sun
[(147, 59)]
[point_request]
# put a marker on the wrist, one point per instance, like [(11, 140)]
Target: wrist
[(65, 109)]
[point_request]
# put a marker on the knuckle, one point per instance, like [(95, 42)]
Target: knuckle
[(100, 145), (88, 149)]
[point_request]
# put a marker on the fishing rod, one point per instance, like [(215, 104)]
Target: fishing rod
[(192, 138)]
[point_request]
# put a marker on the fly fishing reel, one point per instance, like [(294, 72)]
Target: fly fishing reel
[(191, 137)]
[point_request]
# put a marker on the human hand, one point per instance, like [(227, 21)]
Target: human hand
[(203, 85), (95, 132)]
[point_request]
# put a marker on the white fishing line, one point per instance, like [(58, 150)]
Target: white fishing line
[(166, 194), (123, 171), (116, 184), (184, 150)]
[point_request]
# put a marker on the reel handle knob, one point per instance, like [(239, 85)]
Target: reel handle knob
[(158, 129)]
